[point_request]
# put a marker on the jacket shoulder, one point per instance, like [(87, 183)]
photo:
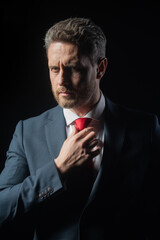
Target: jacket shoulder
[(128, 114), (44, 117)]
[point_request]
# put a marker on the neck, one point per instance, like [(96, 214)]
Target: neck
[(84, 108)]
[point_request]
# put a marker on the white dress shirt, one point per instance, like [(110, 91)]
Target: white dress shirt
[(97, 122)]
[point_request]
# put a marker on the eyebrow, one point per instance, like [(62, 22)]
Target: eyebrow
[(71, 62)]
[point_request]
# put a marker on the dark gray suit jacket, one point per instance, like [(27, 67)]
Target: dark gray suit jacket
[(124, 201)]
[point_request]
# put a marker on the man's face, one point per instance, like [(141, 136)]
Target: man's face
[(73, 77)]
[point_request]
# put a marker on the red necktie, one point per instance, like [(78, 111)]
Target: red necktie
[(82, 123), (86, 177)]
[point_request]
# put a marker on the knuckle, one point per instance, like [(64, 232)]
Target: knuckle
[(82, 144), (83, 152), (74, 139), (88, 156)]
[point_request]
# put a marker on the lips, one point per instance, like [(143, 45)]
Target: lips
[(65, 93)]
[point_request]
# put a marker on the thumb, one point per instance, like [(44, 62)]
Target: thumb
[(74, 130)]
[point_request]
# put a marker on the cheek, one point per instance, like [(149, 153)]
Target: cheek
[(75, 82), (86, 81), (53, 81)]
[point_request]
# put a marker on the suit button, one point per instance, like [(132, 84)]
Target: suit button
[(41, 195), (46, 193), (50, 189)]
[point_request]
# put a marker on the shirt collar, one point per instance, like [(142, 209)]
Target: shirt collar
[(96, 113)]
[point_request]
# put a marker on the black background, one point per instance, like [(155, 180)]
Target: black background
[(133, 52)]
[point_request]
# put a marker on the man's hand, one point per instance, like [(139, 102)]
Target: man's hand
[(78, 149)]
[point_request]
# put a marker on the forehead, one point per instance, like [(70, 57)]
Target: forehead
[(63, 51)]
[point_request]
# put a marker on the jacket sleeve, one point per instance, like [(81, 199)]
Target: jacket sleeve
[(155, 163), (151, 203), (20, 191)]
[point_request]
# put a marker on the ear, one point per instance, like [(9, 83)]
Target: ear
[(102, 66)]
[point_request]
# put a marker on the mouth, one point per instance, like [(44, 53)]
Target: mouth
[(65, 94)]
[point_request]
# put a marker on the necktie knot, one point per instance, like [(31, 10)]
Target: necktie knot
[(82, 123)]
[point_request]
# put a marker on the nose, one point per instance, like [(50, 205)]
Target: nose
[(63, 77)]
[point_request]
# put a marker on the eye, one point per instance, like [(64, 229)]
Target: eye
[(54, 69), (76, 69)]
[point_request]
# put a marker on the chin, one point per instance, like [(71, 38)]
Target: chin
[(66, 103)]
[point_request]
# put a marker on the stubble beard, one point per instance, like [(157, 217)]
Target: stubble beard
[(65, 101), (72, 102), (75, 100)]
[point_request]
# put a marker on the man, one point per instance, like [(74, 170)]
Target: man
[(66, 181)]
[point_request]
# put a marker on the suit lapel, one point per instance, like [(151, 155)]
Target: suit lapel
[(114, 135), (55, 132)]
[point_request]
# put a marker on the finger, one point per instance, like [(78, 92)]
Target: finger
[(74, 131), (81, 134), (89, 139), (95, 152), (93, 143)]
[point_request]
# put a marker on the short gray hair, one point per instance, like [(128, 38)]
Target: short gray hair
[(80, 31)]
